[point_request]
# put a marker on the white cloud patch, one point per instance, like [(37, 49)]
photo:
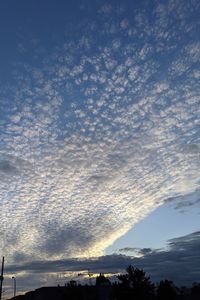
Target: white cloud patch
[(92, 140)]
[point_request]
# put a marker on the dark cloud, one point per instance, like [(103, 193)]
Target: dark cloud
[(19, 256), (191, 149), (11, 165), (190, 241), (180, 262), (145, 251), (7, 167), (108, 263), (128, 249), (138, 251), (66, 238)]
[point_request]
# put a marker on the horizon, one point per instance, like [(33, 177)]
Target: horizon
[(113, 286)]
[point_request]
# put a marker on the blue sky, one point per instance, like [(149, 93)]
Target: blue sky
[(99, 127), (161, 225)]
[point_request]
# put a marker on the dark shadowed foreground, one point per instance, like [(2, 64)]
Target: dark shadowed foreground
[(134, 284)]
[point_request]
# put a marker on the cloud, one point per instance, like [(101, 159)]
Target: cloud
[(7, 168), (182, 254), (128, 249), (93, 133), (182, 201), (136, 252), (179, 262)]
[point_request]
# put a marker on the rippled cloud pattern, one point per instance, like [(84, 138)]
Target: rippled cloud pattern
[(100, 129)]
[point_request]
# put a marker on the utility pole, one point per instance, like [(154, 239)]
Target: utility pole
[(1, 278)]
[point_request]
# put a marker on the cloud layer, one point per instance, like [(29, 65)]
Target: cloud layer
[(182, 254), (99, 131)]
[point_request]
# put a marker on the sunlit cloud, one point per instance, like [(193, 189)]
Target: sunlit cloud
[(95, 138)]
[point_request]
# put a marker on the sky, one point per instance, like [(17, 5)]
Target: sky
[(99, 139)]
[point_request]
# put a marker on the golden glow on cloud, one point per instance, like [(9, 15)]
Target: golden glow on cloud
[(92, 142)]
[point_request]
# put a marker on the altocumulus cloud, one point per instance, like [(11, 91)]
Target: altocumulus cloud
[(98, 132)]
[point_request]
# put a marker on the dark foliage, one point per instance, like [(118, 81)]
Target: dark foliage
[(101, 280), (166, 290), (195, 291), (133, 285)]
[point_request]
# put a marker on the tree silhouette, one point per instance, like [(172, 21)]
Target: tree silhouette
[(135, 285), (166, 290), (196, 291), (101, 280)]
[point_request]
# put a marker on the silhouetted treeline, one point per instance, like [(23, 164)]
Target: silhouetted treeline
[(133, 285)]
